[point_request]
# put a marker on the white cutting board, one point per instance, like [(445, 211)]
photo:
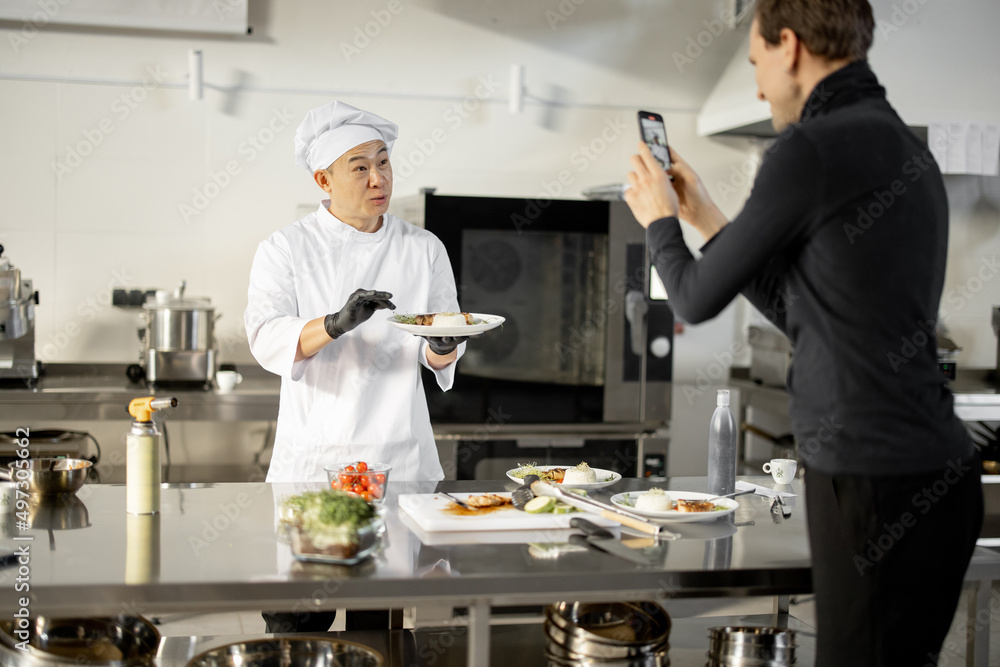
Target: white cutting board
[(427, 511)]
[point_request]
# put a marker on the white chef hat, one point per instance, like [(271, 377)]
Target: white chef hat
[(331, 130)]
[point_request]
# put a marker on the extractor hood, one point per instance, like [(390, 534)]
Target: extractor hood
[(937, 60)]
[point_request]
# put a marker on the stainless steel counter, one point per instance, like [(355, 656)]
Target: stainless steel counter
[(214, 547), (101, 391)]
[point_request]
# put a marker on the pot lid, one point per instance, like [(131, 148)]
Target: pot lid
[(175, 303)]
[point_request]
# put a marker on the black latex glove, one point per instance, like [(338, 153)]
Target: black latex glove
[(360, 306), (444, 344)]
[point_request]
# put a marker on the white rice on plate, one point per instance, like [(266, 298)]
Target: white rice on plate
[(581, 474), (654, 500)]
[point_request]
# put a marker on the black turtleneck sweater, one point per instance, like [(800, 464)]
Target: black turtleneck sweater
[(841, 244)]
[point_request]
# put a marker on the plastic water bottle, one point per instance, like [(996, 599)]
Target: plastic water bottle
[(722, 447)]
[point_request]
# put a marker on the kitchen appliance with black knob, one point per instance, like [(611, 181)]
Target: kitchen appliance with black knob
[(178, 341), (17, 326)]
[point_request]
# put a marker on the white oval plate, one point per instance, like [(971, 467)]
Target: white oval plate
[(604, 477), (482, 321), (627, 501)]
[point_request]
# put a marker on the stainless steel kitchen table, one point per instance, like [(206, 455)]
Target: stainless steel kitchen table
[(214, 547)]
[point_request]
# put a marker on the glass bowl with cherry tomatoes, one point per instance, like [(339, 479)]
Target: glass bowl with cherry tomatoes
[(367, 480)]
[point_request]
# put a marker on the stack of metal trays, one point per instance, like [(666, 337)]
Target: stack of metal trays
[(620, 634), (732, 646)]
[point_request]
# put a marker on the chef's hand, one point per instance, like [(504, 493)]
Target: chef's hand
[(443, 345), (360, 306), (695, 206), (650, 195)]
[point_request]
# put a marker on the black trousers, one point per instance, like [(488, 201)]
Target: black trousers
[(889, 555), (320, 621)]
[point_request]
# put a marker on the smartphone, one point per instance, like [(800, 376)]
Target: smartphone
[(654, 134)]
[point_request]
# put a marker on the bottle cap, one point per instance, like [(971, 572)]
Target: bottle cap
[(722, 399)]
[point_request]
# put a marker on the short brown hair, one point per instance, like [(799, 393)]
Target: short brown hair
[(833, 29)]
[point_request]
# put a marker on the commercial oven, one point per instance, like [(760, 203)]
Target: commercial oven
[(581, 368)]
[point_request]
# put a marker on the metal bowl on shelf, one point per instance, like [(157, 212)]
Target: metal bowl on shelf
[(617, 633), (614, 623), (751, 646), (116, 641), (558, 658), (296, 652), (573, 646)]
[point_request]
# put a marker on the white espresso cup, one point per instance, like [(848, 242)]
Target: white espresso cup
[(782, 470), (227, 380)]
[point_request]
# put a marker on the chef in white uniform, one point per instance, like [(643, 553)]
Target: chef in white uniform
[(320, 295)]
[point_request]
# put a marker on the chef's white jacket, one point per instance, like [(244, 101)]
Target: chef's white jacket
[(360, 398)]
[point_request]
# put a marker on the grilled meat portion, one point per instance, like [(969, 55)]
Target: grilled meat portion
[(488, 500), (694, 506)]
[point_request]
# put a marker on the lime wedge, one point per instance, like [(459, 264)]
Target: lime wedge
[(540, 504)]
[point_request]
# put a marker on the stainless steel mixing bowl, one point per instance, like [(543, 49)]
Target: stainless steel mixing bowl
[(294, 652), (116, 641), (49, 477)]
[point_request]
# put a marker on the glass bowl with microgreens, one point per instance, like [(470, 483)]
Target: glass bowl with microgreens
[(331, 526)]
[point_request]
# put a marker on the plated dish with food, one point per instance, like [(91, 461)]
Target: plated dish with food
[(579, 476), (445, 324), (677, 506)]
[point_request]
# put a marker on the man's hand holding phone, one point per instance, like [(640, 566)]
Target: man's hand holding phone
[(650, 195)]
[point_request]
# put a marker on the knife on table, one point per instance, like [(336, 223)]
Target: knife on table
[(601, 539)]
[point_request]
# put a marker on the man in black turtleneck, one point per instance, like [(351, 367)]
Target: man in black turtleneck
[(842, 244)]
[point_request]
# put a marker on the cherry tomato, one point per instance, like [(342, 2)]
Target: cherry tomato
[(358, 489), (367, 496), (349, 469), (362, 467), (380, 478), (376, 491), (364, 481)]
